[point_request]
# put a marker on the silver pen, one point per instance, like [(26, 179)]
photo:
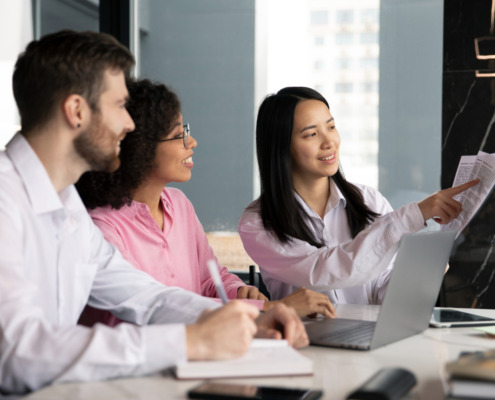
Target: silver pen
[(212, 266)]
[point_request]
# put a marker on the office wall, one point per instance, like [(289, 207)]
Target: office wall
[(468, 115), (205, 51)]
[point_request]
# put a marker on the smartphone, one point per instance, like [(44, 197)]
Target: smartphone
[(449, 318), (224, 391)]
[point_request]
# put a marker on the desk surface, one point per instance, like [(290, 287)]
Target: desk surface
[(337, 371)]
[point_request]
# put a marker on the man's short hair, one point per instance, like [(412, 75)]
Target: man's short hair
[(61, 64)]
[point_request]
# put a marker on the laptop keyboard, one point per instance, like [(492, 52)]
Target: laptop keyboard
[(360, 334), (341, 332)]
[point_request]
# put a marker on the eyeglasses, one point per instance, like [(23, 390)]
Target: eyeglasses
[(185, 136)]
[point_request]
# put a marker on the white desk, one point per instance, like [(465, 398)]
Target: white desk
[(337, 372)]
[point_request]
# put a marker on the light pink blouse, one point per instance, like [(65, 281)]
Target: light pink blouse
[(176, 256)]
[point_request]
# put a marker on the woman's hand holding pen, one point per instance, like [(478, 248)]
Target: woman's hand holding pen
[(441, 206)]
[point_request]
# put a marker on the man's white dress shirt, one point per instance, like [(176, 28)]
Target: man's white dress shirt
[(53, 260)]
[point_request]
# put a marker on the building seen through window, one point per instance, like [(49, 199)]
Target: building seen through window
[(344, 67)]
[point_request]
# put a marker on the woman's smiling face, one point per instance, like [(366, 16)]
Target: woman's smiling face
[(173, 162), (315, 142)]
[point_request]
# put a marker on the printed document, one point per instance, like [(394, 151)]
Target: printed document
[(481, 166)]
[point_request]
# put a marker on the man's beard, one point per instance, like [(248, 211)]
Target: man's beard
[(86, 145)]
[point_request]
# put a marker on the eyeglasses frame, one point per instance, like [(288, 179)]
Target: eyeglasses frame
[(185, 136)]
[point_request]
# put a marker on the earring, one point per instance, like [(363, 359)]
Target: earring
[(78, 125)]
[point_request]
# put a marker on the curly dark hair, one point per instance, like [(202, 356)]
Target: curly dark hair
[(153, 107)]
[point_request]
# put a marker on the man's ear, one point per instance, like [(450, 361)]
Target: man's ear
[(75, 110)]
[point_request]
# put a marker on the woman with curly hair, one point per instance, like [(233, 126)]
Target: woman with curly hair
[(155, 226)]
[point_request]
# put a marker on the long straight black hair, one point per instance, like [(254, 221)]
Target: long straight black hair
[(280, 211)]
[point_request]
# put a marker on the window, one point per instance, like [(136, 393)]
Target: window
[(319, 17), (344, 87), (320, 88), (78, 15), (49, 16), (368, 38), (370, 16), (368, 62), (368, 87), (213, 75), (319, 41), (319, 65), (344, 17), (344, 38), (344, 63)]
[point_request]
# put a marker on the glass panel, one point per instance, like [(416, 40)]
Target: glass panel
[(344, 17), (343, 38), (345, 69), (370, 15), (78, 15), (380, 138), (319, 17), (368, 38), (204, 50), (16, 24), (319, 40), (17, 21)]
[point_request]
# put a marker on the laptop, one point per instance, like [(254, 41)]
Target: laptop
[(408, 303)]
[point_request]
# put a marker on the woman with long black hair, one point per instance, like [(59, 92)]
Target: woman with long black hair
[(312, 228)]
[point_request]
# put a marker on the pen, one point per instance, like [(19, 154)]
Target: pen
[(212, 266)]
